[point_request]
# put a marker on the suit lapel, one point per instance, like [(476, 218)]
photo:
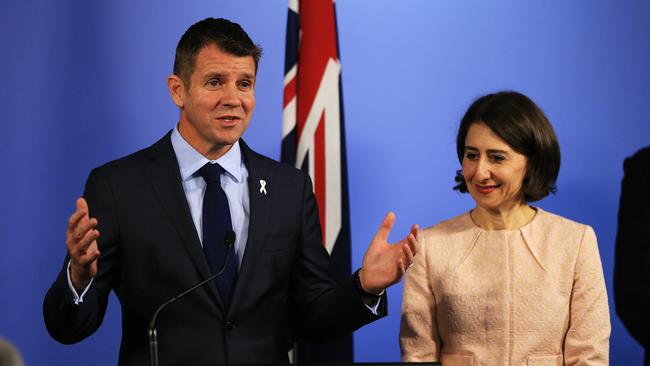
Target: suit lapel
[(164, 176), (260, 191)]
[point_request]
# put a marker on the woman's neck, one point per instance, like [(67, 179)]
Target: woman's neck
[(502, 219)]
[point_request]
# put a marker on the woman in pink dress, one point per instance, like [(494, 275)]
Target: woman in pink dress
[(506, 283)]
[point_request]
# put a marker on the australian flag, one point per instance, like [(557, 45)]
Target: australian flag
[(313, 139)]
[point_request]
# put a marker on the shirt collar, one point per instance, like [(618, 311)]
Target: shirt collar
[(190, 160)]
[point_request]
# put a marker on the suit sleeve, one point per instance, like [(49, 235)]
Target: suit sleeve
[(65, 321), (632, 262), (325, 309), (587, 339), (418, 336)]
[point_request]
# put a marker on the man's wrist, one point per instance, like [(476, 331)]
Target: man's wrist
[(77, 293), (78, 282), (362, 291)]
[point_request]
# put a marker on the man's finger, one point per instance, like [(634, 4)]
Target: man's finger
[(414, 230), (80, 213), (82, 205), (386, 227), (412, 243), (89, 257), (409, 253), (75, 218), (89, 238), (84, 226)]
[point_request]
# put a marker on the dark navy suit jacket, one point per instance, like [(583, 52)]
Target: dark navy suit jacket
[(150, 251), (632, 263)]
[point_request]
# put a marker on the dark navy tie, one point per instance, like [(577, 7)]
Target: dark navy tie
[(216, 222)]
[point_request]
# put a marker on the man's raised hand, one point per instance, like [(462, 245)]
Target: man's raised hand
[(384, 264)]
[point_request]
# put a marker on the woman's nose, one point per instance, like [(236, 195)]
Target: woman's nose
[(482, 170)]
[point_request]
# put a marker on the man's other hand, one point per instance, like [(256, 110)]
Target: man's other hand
[(81, 240)]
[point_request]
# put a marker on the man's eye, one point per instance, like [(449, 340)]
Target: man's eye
[(214, 82), (245, 84)]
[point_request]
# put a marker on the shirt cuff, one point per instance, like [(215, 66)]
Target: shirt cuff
[(75, 296), (373, 305)]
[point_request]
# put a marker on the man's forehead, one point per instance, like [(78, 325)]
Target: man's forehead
[(215, 59), (214, 48)]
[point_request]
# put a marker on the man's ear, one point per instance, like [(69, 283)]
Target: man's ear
[(176, 90)]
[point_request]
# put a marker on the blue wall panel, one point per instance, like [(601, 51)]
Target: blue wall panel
[(84, 83)]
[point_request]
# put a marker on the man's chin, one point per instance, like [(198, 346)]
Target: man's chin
[(227, 141), (229, 135), (228, 138)]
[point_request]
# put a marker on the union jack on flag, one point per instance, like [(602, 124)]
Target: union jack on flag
[(313, 137)]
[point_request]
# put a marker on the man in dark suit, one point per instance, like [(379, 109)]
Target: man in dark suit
[(632, 267), (142, 231)]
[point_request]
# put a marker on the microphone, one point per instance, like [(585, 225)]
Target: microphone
[(228, 240)]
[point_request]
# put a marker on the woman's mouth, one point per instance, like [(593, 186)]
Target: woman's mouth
[(486, 189)]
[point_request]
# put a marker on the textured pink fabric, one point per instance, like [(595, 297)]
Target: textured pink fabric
[(531, 296)]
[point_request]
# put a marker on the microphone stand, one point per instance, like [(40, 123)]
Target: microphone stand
[(153, 335)]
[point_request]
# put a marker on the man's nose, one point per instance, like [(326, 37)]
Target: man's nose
[(230, 96)]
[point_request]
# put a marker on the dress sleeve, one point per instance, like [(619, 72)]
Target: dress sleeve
[(587, 339), (419, 340)]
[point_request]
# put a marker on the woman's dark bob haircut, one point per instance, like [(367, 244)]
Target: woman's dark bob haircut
[(519, 122)]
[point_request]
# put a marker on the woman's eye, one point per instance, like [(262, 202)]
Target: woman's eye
[(471, 155), (498, 158)]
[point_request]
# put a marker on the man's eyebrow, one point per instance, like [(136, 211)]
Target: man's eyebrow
[(216, 74), (219, 74)]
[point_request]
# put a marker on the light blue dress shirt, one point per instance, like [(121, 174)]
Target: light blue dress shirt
[(234, 183)]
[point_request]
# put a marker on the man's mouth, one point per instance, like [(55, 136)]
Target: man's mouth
[(228, 118)]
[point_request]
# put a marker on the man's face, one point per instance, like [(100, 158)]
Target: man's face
[(218, 103)]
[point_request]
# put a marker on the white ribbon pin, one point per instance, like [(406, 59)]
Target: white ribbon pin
[(262, 186)]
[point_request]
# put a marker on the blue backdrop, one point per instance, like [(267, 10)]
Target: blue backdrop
[(83, 82)]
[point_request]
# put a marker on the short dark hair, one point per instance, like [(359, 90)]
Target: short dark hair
[(519, 122), (228, 36)]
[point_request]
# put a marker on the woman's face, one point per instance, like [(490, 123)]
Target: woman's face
[(493, 171)]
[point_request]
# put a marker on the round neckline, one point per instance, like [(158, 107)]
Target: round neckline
[(537, 214)]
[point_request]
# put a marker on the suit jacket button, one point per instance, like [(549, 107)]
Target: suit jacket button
[(229, 325)]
